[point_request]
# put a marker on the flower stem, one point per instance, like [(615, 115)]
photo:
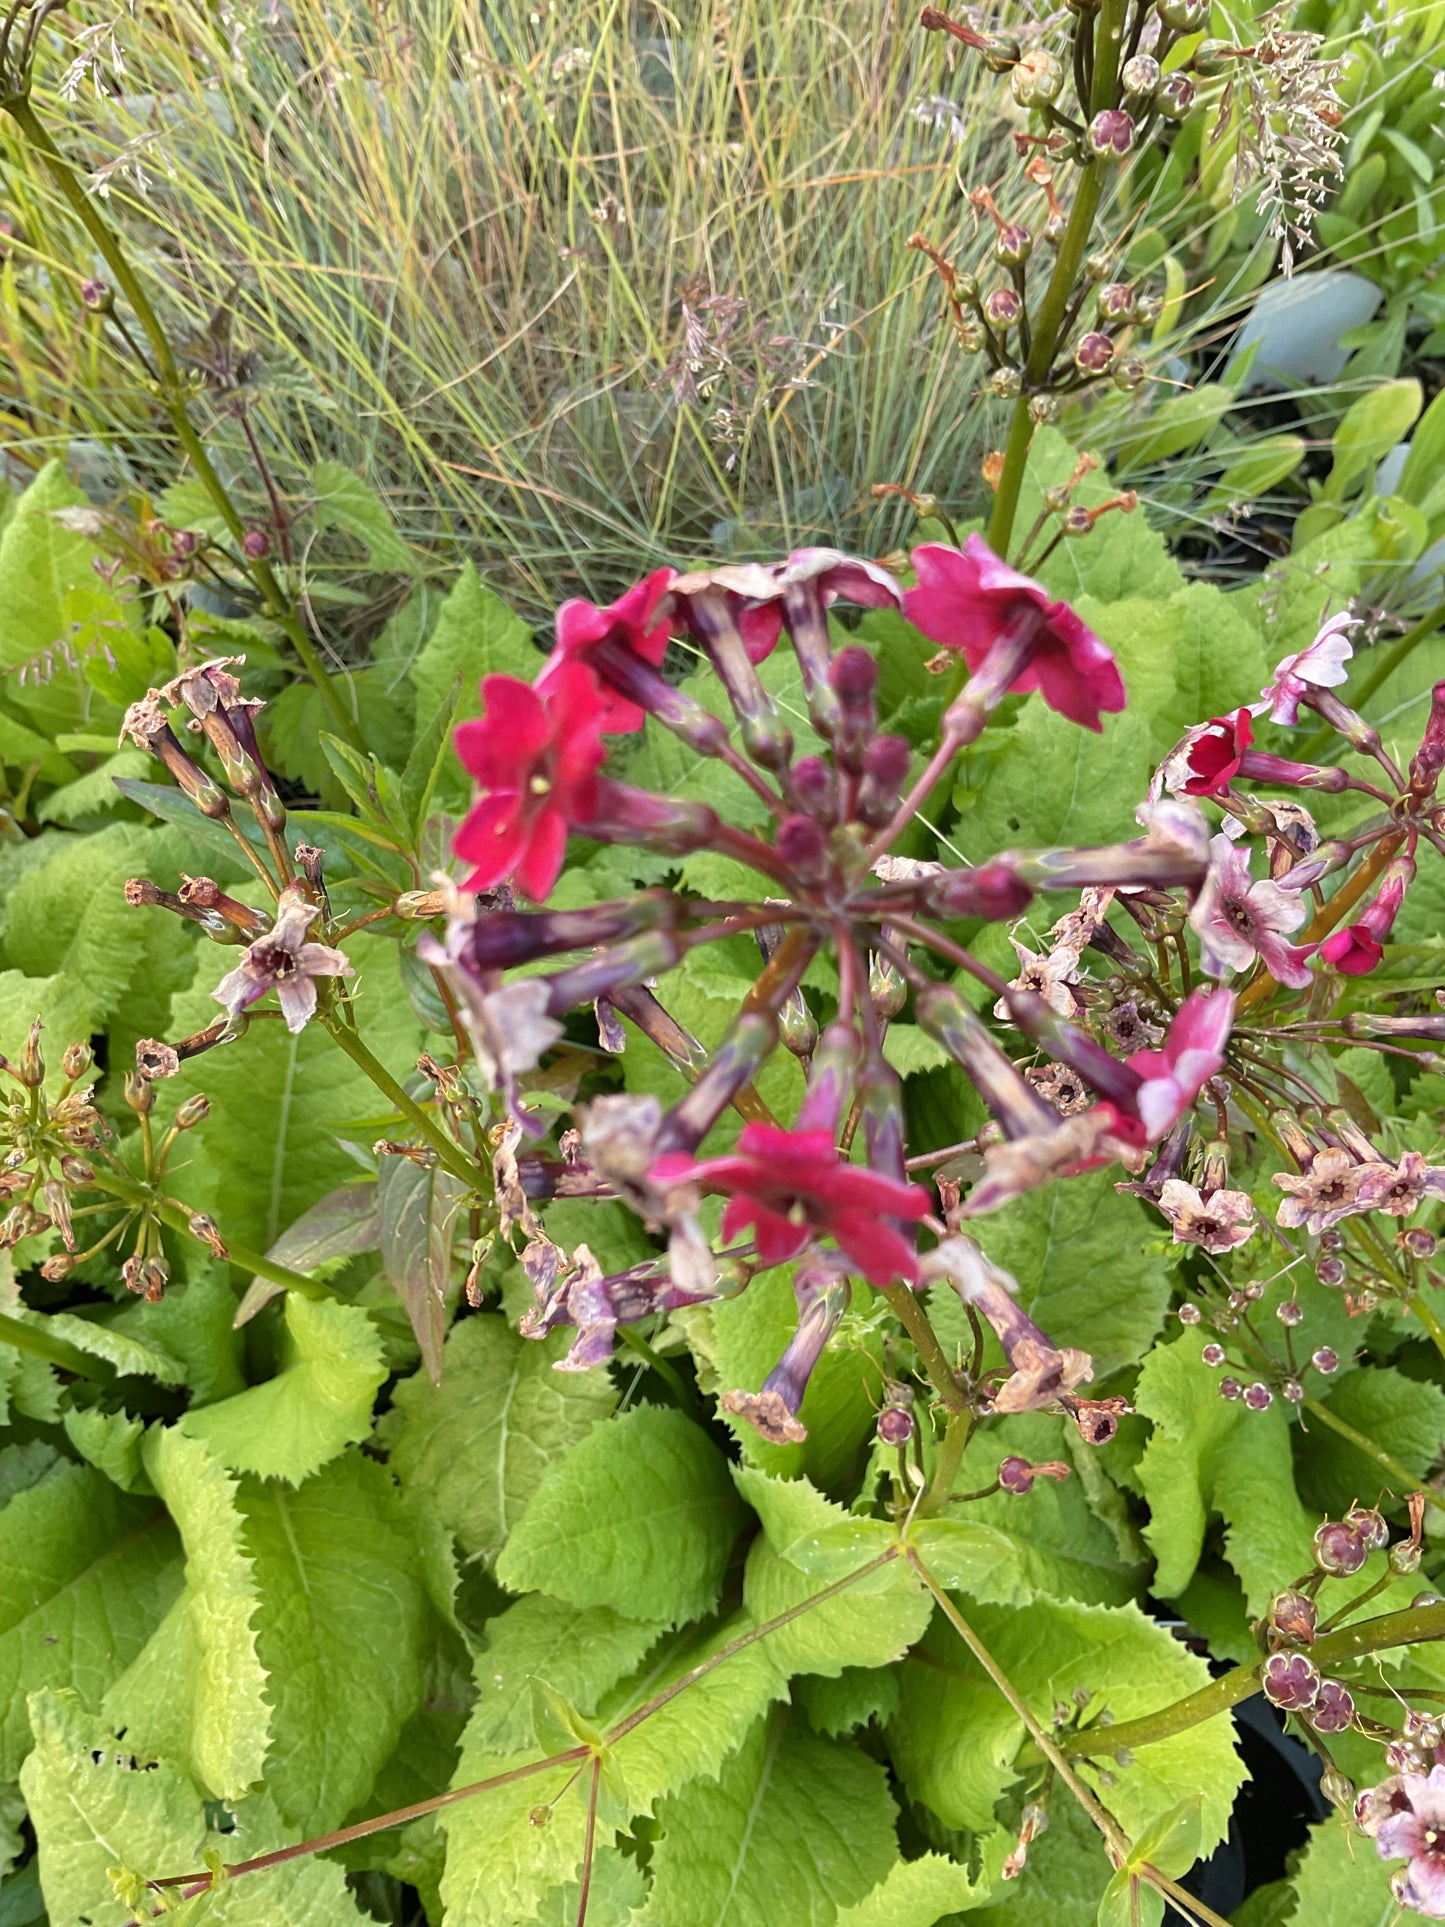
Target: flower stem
[(1428, 1319), (950, 1456), (448, 1153), (1412, 1627), (1048, 323), (171, 395), (932, 1356)]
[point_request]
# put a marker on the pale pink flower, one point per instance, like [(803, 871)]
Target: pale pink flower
[(283, 961), (1320, 666), (1217, 1223), (1413, 1828), (1321, 1196), (1238, 920), (1399, 1189), (1048, 976)]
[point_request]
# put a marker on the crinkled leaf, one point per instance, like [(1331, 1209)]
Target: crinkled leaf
[(86, 1575), (1404, 1416), (640, 1515), (197, 1692), (793, 1828), (472, 1451), (288, 1426), (111, 1441), (341, 1632), (916, 1893), (342, 500), (955, 1738)]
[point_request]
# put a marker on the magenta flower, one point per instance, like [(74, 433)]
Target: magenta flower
[(534, 755), (1211, 754), (636, 622), (822, 1294), (1320, 666), (1192, 1053), (967, 599), (1355, 950), (1414, 1830), (285, 962), (792, 1186), (1239, 920)]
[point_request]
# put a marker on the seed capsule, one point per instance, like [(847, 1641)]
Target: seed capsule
[(1290, 1681), (1338, 1549), (1325, 1360)]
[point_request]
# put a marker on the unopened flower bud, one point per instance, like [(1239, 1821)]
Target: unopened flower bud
[(75, 1170), (256, 545), (969, 336), (1184, 16), (1175, 96), (1037, 78), (1044, 408), (194, 1111), (1292, 1391), (57, 1268), (1338, 1550), (1128, 373), (1331, 1270), (1230, 1388), (1370, 1526), (1002, 308), (1140, 76), (32, 1060), (1258, 1397), (1111, 134), (154, 1277), (896, 1423), (76, 1062), (797, 1026), (1213, 1356), (184, 543), (96, 296), (1093, 353), (1116, 301), (1419, 1242), (1325, 1360), (1404, 1557), (203, 1227), (1290, 1313), (813, 785), (1015, 1474), (1338, 1789), (1097, 267), (1290, 1681), (1294, 1617), (139, 1093), (803, 846), (1189, 1313), (1333, 1709), (1006, 383)]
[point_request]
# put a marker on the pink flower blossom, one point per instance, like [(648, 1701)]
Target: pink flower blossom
[(1411, 1827), (969, 599), (1321, 1196), (1215, 1223), (1320, 666), (1210, 755), (1239, 920), (1048, 976), (1355, 950), (792, 1186), (534, 754), (1192, 1053), (635, 621), (283, 961), (1399, 1189)]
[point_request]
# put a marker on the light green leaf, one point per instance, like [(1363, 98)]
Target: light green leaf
[(916, 1893), (95, 792), (196, 1693), (476, 635), (909, 1049), (1087, 1271), (819, 1538), (1405, 1416), (617, 1891), (1205, 1455), (130, 1354), (1370, 428), (472, 1451), (344, 501), (839, 1706), (580, 1651), (97, 1806), (320, 1401), (640, 1515), (1130, 1902), (111, 1441), (793, 1828), (86, 1575), (1342, 1882), (341, 1632), (955, 1738)]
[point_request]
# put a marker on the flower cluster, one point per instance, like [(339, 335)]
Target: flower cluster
[(793, 1192)]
